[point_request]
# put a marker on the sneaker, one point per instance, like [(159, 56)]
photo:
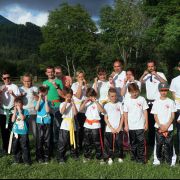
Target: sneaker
[(102, 162), (40, 161), (62, 162), (86, 160), (110, 161), (120, 160)]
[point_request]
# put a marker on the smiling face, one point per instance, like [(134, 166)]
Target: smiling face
[(102, 76), (129, 75), (151, 67), (164, 93), (134, 94), (118, 67), (80, 77), (113, 97), (27, 81), (58, 73), (50, 73), (6, 79)]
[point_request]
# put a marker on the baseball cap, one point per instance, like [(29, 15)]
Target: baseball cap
[(163, 86)]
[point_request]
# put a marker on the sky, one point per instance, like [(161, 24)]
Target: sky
[(36, 11)]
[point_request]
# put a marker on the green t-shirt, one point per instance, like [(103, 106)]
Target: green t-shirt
[(52, 91)]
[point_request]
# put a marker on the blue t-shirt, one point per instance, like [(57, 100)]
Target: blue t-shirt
[(20, 127), (42, 116)]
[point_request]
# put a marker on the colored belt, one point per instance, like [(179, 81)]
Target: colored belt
[(55, 101), (72, 133), (42, 117), (91, 122)]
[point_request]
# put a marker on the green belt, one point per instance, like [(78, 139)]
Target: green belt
[(8, 114)]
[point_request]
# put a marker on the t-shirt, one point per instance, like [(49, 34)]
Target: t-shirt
[(114, 114), (103, 88), (92, 113), (119, 83), (65, 125), (77, 101), (53, 92), (152, 83), (28, 98), (128, 95), (20, 126), (42, 116), (135, 109), (163, 109), (7, 100), (175, 87)]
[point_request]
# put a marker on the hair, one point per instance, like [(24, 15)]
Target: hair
[(112, 90), (101, 70), (58, 67), (152, 61), (133, 87), (49, 67), (132, 71), (91, 92), (4, 73), (80, 72), (43, 89), (18, 99), (68, 91), (119, 61), (27, 75)]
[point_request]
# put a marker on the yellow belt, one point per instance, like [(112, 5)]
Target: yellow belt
[(177, 99), (77, 103), (72, 134), (104, 102)]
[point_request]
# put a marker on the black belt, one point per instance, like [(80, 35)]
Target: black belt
[(150, 101)]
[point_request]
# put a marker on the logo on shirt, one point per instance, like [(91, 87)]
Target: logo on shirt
[(167, 106), (93, 107), (118, 110), (139, 105)]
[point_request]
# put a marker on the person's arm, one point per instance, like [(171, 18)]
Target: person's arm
[(75, 111), (146, 120), (38, 103), (162, 80), (109, 125), (83, 105), (13, 119), (63, 109), (60, 92), (143, 76), (47, 105), (126, 128), (100, 108), (124, 89), (170, 121), (79, 90), (95, 86), (120, 124), (22, 116)]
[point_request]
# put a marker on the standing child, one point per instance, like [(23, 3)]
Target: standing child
[(67, 135), (114, 134), (92, 125), (20, 130), (164, 113), (136, 122), (43, 125)]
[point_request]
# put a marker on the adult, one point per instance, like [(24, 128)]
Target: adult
[(175, 89), (151, 78), (29, 93), (9, 92), (119, 76), (55, 93)]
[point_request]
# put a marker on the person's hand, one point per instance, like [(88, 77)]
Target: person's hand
[(93, 99), (125, 80), (54, 84), (113, 130), (132, 79), (19, 109), (113, 74), (11, 92), (154, 73), (118, 130), (40, 96), (126, 129), (15, 108), (81, 82), (146, 127), (46, 98), (163, 128), (146, 72), (96, 80)]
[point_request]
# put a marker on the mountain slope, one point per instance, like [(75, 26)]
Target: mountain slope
[(3, 20)]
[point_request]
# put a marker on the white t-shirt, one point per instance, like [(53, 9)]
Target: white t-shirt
[(119, 83), (114, 114), (152, 90), (28, 98), (163, 109), (175, 87), (92, 113), (7, 100), (77, 101), (135, 109), (128, 95), (65, 125), (103, 88)]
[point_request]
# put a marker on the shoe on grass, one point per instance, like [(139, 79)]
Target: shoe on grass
[(120, 160), (110, 161)]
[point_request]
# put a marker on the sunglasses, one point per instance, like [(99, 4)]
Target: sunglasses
[(5, 78)]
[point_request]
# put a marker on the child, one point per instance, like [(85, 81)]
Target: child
[(20, 129), (164, 113), (43, 125), (114, 134), (136, 122), (67, 135), (92, 125), (29, 92)]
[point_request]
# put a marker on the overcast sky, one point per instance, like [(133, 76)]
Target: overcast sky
[(36, 11)]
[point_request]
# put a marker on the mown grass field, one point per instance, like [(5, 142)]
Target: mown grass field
[(91, 170)]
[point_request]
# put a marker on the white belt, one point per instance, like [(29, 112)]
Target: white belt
[(42, 117)]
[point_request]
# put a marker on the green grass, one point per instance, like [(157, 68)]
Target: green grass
[(92, 170)]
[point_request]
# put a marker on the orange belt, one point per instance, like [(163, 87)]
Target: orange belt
[(55, 101), (91, 122)]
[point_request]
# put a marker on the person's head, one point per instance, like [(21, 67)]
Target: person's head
[(112, 95), (101, 73), (43, 91), (18, 102), (27, 80), (134, 90), (118, 66), (67, 80), (130, 74), (6, 78), (58, 72), (151, 66), (50, 72), (163, 89), (91, 93), (80, 75), (68, 93)]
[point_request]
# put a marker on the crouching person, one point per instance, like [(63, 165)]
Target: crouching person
[(20, 146), (67, 134), (43, 127)]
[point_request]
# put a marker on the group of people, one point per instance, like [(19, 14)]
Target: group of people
[(65, 116)]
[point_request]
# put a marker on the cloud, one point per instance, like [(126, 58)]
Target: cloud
[(21, 15)]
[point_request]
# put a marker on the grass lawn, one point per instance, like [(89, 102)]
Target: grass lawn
[(90, 170)]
